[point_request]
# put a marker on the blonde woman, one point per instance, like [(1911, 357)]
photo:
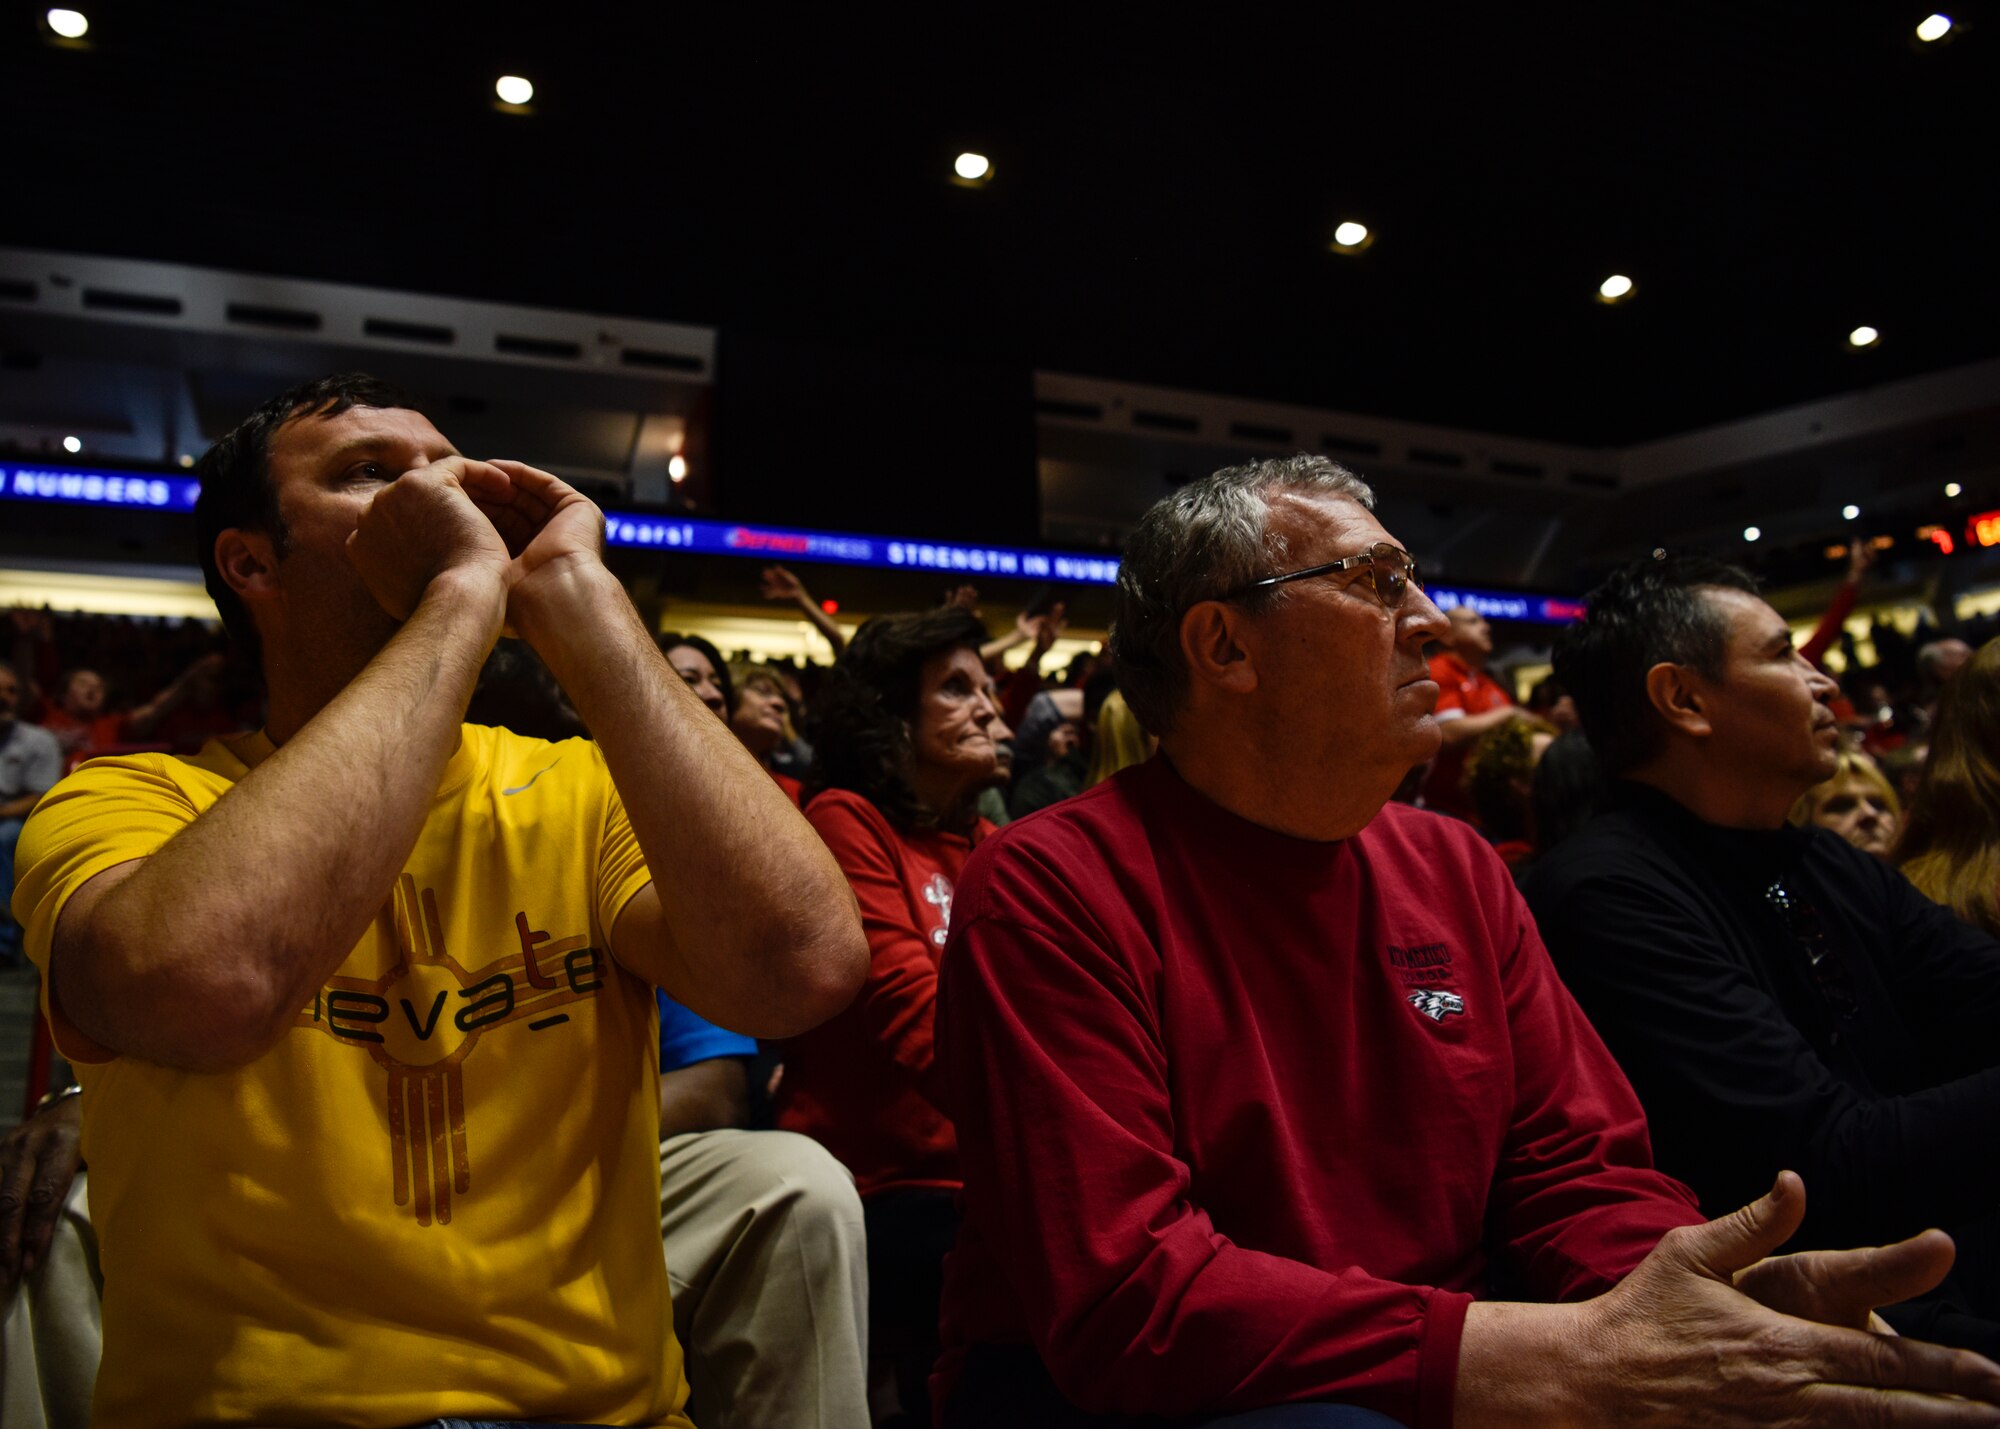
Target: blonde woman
[(1857, 802), (1121, 741), (1951, 843)]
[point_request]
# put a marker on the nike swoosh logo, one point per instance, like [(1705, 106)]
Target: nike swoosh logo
[(531, 778)]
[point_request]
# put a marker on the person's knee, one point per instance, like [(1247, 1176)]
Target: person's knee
[(807, 1178)]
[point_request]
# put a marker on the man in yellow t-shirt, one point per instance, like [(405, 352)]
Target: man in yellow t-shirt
[(361, 1004)]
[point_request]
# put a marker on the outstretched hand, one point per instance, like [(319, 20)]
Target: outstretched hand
[(777, 583), (1676, 1342), (1048, 626), (1847, 1287)]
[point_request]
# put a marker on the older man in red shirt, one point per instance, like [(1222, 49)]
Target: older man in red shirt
[(1268, 1098)]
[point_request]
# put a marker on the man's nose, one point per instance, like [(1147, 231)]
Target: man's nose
[(1422, 620)]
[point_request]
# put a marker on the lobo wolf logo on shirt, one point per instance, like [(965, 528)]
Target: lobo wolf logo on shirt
[(1436, 1004), (937, 893)]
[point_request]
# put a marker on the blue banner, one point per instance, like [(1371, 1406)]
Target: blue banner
[(777, 543), (1508, 605), (90, 486)]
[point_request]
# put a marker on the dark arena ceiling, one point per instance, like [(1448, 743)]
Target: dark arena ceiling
[(1165, 184)]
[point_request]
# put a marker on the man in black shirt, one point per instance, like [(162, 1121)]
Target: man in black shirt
[(1778, 998)]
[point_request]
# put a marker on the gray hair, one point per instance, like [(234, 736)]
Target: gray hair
[(1202, 542)]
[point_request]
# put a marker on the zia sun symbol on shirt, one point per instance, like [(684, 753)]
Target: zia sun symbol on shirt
[(937, 893), (420, 1021)]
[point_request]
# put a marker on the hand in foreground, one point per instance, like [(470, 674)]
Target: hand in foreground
[(545, 521), (1846, 1287), (1677, 1343), (550, 529), (424, 524), (38, 1161)]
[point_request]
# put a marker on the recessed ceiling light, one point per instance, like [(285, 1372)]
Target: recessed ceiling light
[(72, 24), (1352, 237), (1933, 28), (1952, 488), (972, 168), (677, 467), (1863, 336), (513, 89), (72, 445), (1752, 533), (1848, 513), (1616, 289)]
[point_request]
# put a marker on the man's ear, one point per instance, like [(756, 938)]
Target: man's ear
[(248, 563), (1212, 645), (1680, 698)]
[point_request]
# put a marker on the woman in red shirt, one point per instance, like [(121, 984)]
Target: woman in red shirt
[(903, 742)]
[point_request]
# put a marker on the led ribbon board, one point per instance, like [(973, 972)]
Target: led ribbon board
[(93, 486), (1508, 605), (90, 486), (727, 538)]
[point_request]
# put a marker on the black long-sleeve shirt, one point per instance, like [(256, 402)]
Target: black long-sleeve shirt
[(1661, 927)]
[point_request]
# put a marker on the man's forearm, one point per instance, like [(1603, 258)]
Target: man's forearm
[(760, 926), (705, 1096), (1467, 728), (328, 821), (1001, 644), (824, 623)]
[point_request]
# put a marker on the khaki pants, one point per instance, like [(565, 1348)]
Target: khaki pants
[(769, 1267), (765, 1253)]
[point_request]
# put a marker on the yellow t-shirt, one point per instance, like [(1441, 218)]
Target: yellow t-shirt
[(439, 1194)]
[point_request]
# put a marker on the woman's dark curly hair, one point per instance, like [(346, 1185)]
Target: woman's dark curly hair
[(859, 723)]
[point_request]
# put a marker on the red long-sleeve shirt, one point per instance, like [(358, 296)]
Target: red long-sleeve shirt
[(1243, 1119), (1828, 629), (864, 1084)]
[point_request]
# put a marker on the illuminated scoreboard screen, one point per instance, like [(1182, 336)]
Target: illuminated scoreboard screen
[(92, 486)]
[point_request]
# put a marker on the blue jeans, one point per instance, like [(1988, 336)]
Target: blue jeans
[(500, 1424), (10, 934), (1007, 1386), (1305, 1416)]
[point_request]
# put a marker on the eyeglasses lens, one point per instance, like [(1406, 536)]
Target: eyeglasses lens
[(1394, 573)]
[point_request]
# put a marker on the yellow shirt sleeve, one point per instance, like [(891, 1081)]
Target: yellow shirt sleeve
[(110, 811), (621, 867)]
